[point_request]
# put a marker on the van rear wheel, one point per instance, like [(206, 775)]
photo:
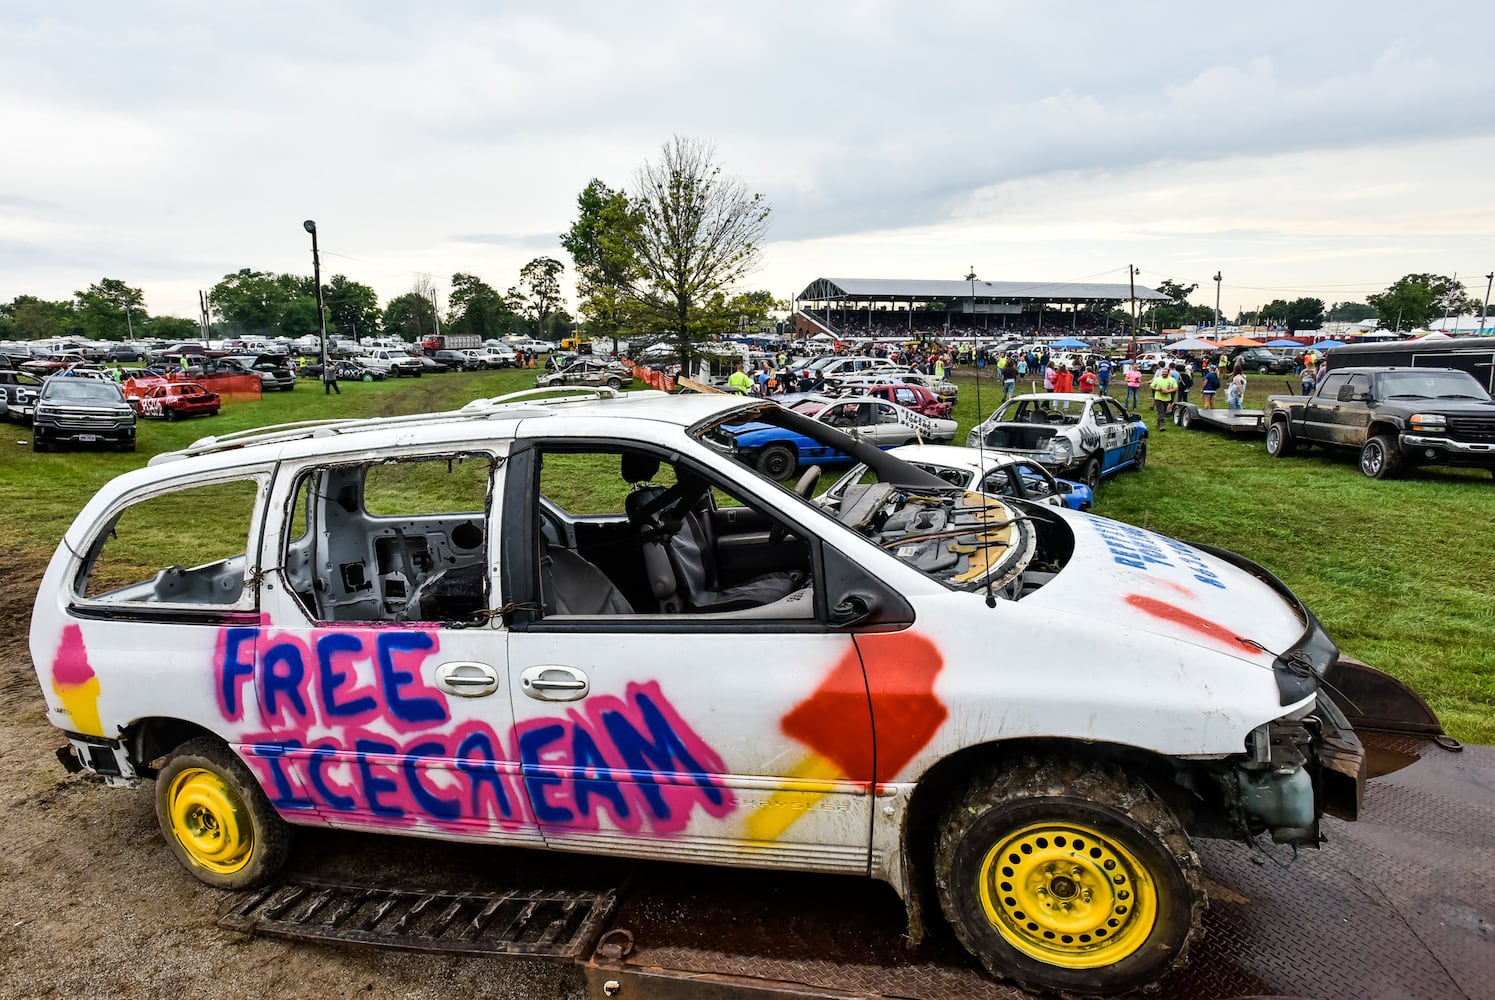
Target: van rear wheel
[(1069, 877), (216, 819)]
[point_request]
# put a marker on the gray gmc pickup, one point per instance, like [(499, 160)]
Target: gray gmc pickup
[(1395, 417)]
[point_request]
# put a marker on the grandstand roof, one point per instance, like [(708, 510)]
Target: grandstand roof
[(921, 290)]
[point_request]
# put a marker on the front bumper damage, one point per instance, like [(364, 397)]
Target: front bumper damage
[(1311, 762)]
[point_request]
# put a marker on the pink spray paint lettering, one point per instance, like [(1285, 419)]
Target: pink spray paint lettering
[(351, 733)]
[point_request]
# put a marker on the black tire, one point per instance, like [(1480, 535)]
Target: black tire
[(1185, 417), (1280, 443), (1264, 370), (615, 383), (1090, 473), (1130, 887), (1381, 458), (38, 446), (216, 819), (778, 462), (171, 415), (1140, 462)]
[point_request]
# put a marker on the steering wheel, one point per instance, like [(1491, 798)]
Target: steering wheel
[(807, 482), (805, 487)]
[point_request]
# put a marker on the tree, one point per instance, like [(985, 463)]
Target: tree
[(599, 242), (1178, 311), (352, 308), (1413, 300), (38, 319), (478, 309), (107, 309), (538, 292), (1349, 312), (698, 232), (249, 302), (172, 328), (410, 316), (1305, 314)]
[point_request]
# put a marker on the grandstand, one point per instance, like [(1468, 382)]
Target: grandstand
[(847, 307)]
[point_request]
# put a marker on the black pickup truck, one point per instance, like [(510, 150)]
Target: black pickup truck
[(1395, 417)]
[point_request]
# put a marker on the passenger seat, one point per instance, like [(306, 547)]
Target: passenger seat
[(570, 585)]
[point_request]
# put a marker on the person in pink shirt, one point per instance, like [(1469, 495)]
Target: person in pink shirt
[(1133, 386)]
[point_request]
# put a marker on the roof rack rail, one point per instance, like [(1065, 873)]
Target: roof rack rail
[(477, 409), (577, 392)]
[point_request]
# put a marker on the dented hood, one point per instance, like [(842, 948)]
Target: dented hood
[(1139, 579)]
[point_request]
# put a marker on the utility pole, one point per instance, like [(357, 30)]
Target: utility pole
[(1484, 310), (316, 268), (205, 320), (1131, 277), (1217, 303)]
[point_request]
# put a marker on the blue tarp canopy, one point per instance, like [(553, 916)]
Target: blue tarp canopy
[(1284, 343), (1070, 344), (1324, 345)]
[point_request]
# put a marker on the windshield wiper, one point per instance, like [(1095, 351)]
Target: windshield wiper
[(1407, 395), (1459, 395)]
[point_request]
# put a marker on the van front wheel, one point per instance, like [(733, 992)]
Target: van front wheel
[(1069, 878)]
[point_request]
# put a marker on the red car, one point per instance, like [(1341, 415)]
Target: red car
[(915, 397), (174, 400)]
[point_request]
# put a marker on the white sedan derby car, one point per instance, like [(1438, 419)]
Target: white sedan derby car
[(1070, 432), (438, 626), (979, 471)]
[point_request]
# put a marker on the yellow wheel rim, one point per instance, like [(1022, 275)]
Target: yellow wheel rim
[(1066, 895), (209, 820)]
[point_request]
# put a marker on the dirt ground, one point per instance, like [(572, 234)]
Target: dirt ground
[(93, 905)]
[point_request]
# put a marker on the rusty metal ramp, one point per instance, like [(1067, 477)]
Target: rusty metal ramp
[(532, 923), (1398, 905)]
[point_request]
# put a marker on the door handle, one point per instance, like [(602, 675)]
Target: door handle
[(466, 678), (552, 682)]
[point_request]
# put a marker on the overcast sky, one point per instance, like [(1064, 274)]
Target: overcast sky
[(1301, 148)]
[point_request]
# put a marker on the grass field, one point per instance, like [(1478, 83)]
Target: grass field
[(1400, 572)]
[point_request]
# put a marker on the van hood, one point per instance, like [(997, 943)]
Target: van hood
[(1138, 579)]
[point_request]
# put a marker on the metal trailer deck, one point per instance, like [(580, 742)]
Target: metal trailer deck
[(1239, 422), (1398, 905)]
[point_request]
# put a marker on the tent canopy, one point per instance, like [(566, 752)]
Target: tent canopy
[(1070, 344), (1192, 344), (1283, 343), (1324, 345), (1239, 341)]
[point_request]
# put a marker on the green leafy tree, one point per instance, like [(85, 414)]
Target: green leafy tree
[(249, 302), (538, 292), (1415, 299), (38, 319), (352, 308), (173, 328), (477, 308), (1305, 314), (600, 244), (1349, 312), (699, 232), (410, 316), (108, 309)]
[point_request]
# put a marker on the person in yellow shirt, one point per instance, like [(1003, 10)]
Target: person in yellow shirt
[(1164, 388), (739, 382)]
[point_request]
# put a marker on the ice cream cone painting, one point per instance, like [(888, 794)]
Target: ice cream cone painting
[(74, 682), (893, 675)]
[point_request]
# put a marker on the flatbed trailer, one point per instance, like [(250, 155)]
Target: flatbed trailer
[(1399, 904), (1237, 422)]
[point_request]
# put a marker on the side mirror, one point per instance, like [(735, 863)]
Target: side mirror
[(1346, 393)]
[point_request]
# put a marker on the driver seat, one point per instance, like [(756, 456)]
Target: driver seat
[(679, 547)]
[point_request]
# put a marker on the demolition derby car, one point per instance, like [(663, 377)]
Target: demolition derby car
[(587, 624), (1092, 436)]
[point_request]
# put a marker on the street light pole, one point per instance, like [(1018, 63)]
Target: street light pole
[(316, 269), (1217, 303), (1131, 277), (1484, 310)]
